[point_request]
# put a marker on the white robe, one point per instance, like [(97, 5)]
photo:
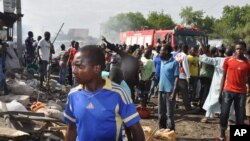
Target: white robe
[(212, 104), (213, 95)]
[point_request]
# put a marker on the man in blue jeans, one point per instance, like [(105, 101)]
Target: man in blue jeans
[(169, 77), (236, 72)]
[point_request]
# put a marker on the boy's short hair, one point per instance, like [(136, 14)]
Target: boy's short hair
[(72, 42), (243, 44), (167, 48), (95, 55), (46, 33), (184, 48), (62, 47), (229, 51), (30, 33), (213, 50)]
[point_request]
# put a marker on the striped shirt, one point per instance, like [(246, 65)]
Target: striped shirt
[(99, 115)]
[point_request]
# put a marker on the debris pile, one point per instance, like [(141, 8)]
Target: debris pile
[(30, 112), (161, 134)]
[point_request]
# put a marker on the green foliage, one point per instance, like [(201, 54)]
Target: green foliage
[(207, 24), (196, 18), (190, 17), (234, 24), (232, 16), (159, 20), (219, 29), (246, 33)]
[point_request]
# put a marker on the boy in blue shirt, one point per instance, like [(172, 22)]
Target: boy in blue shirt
[(96, 109)]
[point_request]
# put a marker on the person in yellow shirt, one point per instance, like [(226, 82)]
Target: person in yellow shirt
[(193, 63)]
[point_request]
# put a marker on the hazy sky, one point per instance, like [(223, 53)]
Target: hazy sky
[(42, 15)]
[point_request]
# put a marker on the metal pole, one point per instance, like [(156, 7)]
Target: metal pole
[(49, 65), (58, 33), (19, 23)]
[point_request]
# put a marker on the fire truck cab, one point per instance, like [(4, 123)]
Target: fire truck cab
[(178, 35)]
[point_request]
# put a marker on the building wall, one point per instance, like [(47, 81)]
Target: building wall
[(78, 32)]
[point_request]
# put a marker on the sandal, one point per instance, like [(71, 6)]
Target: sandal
[(222, 139), (217, 115), (204, 120), (231, 122)]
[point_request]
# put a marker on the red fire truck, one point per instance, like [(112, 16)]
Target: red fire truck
[(178, 35)]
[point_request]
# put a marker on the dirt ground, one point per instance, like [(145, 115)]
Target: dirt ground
[(188, 125)]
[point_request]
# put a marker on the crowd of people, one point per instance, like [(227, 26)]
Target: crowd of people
[(40, 52), (222, 74), (109, 79), (166, 73), (207, 78)]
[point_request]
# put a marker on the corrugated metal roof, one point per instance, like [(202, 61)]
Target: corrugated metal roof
[(9, 18)]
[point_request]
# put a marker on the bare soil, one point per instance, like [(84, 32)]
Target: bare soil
[(187, 124)]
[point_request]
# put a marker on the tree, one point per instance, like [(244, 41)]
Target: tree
[(234, 24), (206, 24), (232, 15), (196, 18), (246, 33), (159, 20), (219, 29), (190, 17)]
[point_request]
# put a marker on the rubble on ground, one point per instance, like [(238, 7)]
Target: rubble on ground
[(162, 134), (30, 112)]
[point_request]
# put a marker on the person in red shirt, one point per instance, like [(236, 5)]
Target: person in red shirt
[(236, 71), (63, 65), (71, 53)]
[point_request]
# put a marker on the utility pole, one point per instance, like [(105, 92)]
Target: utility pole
[(19, 23)]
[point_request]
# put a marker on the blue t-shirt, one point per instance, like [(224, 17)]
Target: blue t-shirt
[(98, 115), (169, 70), (157, 62)]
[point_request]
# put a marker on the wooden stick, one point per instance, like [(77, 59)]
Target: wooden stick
[(151, 136), (25, 117), (58, 128), (21, 112)]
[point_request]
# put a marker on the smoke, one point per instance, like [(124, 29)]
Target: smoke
[(112, 28)]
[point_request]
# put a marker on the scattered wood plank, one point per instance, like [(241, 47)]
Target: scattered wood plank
[(152, 135), (11, 133), (58, 128), (21, 112), (37, 118)]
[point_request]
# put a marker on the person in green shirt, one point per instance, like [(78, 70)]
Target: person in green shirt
[(146, 74)]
